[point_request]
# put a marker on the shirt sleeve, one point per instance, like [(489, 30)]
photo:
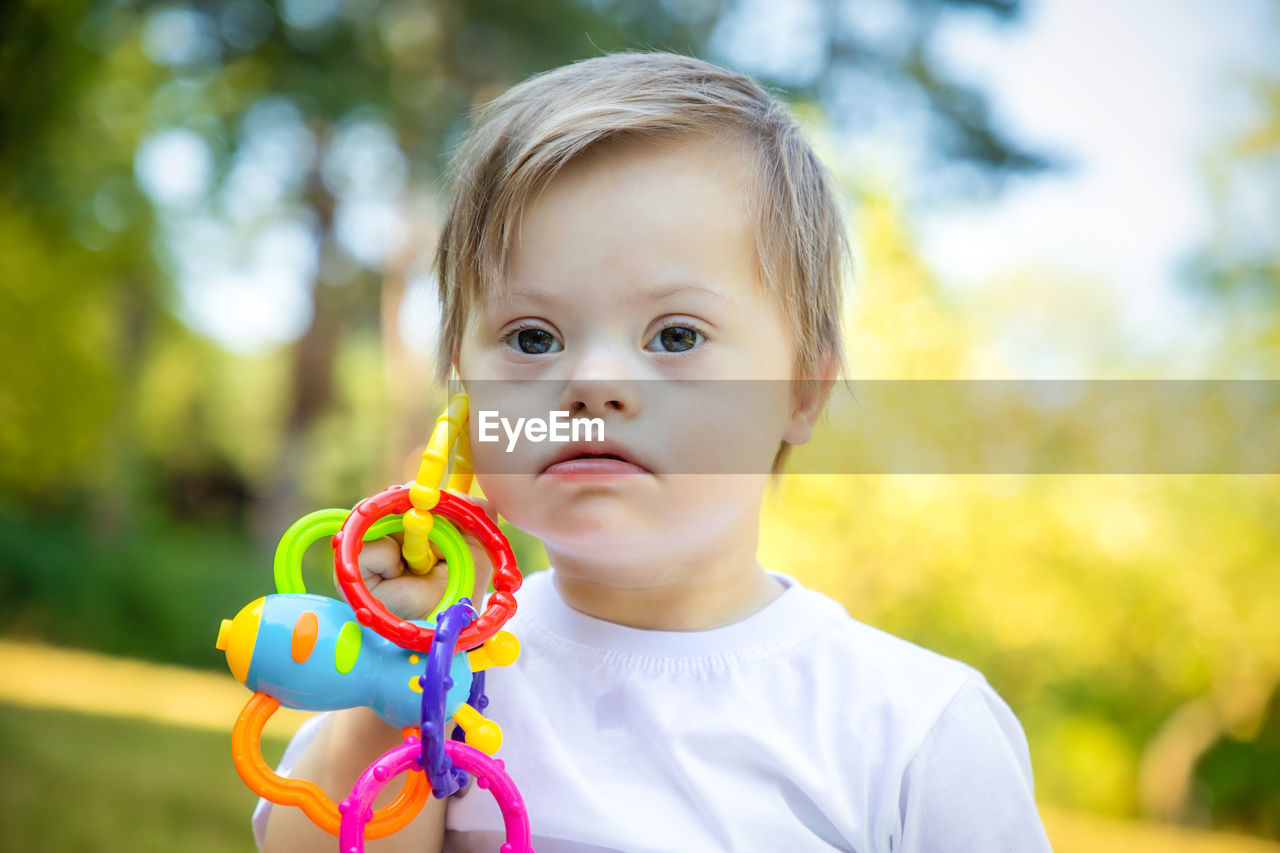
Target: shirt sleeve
[(969, 787), (302, 739)]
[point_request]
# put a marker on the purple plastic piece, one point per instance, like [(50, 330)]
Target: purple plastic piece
[(357, 809), (445, 779), (476, 699)]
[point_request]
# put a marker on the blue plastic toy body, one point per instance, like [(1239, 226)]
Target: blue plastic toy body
[(309, 652)]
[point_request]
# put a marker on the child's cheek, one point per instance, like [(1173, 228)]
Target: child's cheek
[(500, 410), (503, 493), (721, 427)]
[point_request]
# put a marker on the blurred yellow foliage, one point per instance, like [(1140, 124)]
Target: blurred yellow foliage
[(1097, 605)]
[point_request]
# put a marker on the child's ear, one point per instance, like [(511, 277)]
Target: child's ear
[(809, 398)]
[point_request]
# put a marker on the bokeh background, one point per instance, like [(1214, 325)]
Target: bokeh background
[(217, 313)]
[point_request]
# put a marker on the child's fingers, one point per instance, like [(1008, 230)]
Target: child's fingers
[(410, 596), (402, 591), (381, 558)]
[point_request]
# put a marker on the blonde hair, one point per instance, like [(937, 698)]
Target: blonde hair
[(519, 141)]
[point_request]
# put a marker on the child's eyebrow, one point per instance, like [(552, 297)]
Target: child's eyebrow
[(638, 295), (657, 295)]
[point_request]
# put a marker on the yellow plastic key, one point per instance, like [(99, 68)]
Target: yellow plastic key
[(425, 491), (485, 735), (501, 649)]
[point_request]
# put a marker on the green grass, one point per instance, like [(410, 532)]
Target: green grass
[(72, 782)]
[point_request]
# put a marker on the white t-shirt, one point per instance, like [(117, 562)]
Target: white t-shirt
[(796, 729)]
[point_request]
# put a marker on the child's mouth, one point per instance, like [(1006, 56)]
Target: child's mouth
[(594, 465)]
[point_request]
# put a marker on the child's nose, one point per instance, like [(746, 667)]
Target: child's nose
[(596, 396), (602, 377)]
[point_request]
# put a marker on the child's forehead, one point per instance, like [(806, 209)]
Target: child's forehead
[(725, 157), (657, 207)]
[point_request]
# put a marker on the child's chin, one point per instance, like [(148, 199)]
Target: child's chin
[(602, 537)]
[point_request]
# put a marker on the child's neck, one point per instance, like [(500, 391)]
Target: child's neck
[(696, 596)]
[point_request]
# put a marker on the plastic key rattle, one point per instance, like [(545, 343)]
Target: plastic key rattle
[(317, 653)]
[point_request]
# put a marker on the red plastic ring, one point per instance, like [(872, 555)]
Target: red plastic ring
[(348, 542)]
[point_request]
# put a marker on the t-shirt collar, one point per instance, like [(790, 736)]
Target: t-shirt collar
[(779, 619)]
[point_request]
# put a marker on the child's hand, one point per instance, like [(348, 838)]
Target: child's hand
[(412, 596)]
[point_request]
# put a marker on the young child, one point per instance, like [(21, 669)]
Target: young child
[(642, 217)]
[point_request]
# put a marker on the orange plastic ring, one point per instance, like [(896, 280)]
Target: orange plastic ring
[(246, 752)]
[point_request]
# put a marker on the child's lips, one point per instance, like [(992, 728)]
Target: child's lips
[(593, 466), (594, 460)]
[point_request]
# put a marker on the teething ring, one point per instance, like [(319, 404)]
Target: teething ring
[(489, 772), (325, 522), (308, 529), (348, 542), (246, 752)]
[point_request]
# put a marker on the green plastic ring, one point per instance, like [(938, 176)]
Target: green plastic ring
[(326, 522)]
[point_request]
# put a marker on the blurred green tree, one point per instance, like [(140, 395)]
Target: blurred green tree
[(147, 149)]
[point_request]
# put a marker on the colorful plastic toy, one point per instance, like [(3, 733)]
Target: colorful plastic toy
[(317, 653)]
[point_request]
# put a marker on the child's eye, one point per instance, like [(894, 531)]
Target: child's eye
[(535, 341), (675, 339)]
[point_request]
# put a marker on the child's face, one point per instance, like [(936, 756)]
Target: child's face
[(636, 263)]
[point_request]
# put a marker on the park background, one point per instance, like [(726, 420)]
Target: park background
[(216, 314)]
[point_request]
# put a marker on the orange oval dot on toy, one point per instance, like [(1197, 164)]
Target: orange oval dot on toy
[(303, 641)]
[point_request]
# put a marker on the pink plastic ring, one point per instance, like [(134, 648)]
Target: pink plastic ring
[(489, 773), (469, 518)]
